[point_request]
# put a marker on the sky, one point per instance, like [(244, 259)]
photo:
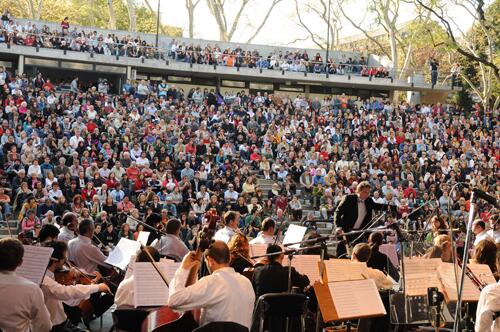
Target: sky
[(282, 26)]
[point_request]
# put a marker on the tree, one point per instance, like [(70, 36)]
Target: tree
[(226, 33), (112, 16), (131, 15), (386, 14), (98, 16), (191, 6), (318, 10), (477, 49)]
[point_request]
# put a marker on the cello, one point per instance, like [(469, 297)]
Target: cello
[(165, 319)]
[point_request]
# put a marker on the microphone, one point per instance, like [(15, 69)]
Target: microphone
[(483, 195), (487, 197)]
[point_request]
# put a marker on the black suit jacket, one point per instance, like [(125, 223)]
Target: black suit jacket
[(346, 213), (273, 278)]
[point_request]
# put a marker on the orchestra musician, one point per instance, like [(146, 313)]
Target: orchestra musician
[(488, 306), (355, 211), (362, 253), (70, 224), (82, 252), (48, 233), (55, 293), (273, 277), (124, 296), (379, 260), (239, 251), (224, 295), (21, 301), (87, 257), (479, 230), (266, 236), (170, 244), (231, 222)]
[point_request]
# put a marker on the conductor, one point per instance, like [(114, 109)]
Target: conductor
[(354, 212)]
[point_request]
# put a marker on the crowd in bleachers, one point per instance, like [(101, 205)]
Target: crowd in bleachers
[(72, 39), (157, 148)]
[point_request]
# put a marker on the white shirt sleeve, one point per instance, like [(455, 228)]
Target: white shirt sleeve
[(40, 316), (67, 293)]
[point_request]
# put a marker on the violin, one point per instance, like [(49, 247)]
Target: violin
[(68, 277)]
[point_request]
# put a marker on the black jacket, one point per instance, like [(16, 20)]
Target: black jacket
[(273, 278), (346, 213)]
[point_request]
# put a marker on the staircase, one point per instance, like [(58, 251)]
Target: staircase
[(4, 230), (324, 228)]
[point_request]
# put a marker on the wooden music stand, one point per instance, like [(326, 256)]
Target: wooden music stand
[(348, 299)]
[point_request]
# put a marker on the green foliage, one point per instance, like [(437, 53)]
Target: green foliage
[(89, 13)]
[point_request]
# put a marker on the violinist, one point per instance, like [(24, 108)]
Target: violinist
[(82, 252), (239, 249), (224, 295), (88, 258), (69, 222), (171, 244), (266, 236), (55, 293), (125, 292), (48, 233), (231, 221), (273, 277)]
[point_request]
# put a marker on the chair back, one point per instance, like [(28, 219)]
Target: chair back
[(128, 319), (221, 327), (283, 312)]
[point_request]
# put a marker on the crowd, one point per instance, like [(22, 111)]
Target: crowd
[(72, 39), (155, 148)]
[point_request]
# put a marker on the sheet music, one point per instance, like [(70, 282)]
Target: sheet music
[(417, 265), (149, 287), (294, 234), (257, 249), (391, 252), (306, 264), (358, 298), (420, 274), (446, 275), (35, 262), (483, 273), (120, 255), (143, 238), (344, 270)]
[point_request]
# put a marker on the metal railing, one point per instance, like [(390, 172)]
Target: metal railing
[(243, 59)]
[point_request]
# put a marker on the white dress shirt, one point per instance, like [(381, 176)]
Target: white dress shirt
[(22, 307), (171, 245), (381, 280), (55, 294), (124, 296), (482, 236), (488, 304), (66, 234), (224, 234), (224, 296), (85, 255), (263, 239), (361, 214)]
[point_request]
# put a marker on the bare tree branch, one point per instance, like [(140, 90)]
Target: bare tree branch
[(155, 14), (458, 48), (257, 31)]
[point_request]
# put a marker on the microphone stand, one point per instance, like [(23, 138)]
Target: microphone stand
[(465, 259)]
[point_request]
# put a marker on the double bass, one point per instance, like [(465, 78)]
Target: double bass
[(165, 319)]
